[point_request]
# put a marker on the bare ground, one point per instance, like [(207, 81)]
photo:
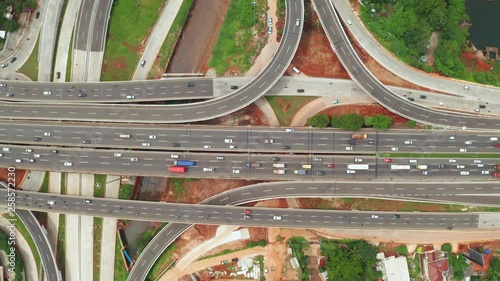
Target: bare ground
[(250, 115)]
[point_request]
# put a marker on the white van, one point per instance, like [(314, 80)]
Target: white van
[(422, 167), (296, 70), (493, 139), (47, 93)]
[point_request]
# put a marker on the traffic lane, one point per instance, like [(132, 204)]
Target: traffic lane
[(208, 214), (172, 89), (100, 20), (42, 244), (372, 86), (83, 24)]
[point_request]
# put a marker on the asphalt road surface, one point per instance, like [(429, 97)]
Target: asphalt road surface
[(186, 112), (154, 90), (246, 139), (375, 89)]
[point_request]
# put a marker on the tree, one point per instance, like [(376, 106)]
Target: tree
[(10, 25), (411, 123), (352, 122), (402, 250), (494, 270), (320, 121), (446, 248), (368, 120), (382, 121)]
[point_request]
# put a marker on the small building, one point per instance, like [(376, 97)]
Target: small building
[(294, 262), (435, 266), (393, 269)]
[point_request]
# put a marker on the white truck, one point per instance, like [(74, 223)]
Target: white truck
[(279, 172), (400, 167), (358, 166), (279, 165)]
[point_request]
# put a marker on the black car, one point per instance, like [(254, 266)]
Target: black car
[(176, 144), (190, 84), (58, 75), (276, 159), (396, 216), (411, 99), (300, 90), (442, 166), (320, 173), (82, 95), (234, 87), (286, 147), (37, 15), (86, 141), (13, 59), (423, 97)]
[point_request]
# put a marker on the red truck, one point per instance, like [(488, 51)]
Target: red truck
[(177, 169), (496, 167), (359, 136), (496, 175)]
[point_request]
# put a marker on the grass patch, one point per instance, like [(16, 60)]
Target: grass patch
[(173, 35), (121, 272), (45, 184), (180, 187), (30, 67), (285, 107), (61, 249), (236, 45), (142, 241), (251, 244), (99, 185), (63, 183), (97, 247), (126, 191), (18, 267), (26, 234), (438, 155), (128, 26), (161, 264)]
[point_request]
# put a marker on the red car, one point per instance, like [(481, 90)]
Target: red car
[(388, 160), (331, 166), (496, 145), (248, 212)]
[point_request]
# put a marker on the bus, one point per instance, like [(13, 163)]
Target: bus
[(358, 166), (400, 167)]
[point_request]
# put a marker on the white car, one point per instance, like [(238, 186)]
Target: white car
[(463, 150), (118, 154), (289, 130), (152, 137), (348, 148), (452, 161), (174, 156), (374, 217), (349, 22), (220, 157), (351, 171), (51, 202), (207, 146), (394, 149), (206, 169), (317, 159), (357, 160), (441, 103), (277, 218), (335, 101), (236, 171), (37, 155), (233, 146), (477, 161), (468, 142), (485, 172), (68, 164), (6, 149), (412, 161), (451, 137), (146, 144), (228, 141), (408, 142), (493, 139), (269, 141), (464, 173), (19, 160), (47, 134), (480, 165), (134, 159), (460, 167), (29, 150)]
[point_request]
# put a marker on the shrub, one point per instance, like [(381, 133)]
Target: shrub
[(352, 122), (368, 120), (446, 248), (320, 121), (382, 121), (411, 123)]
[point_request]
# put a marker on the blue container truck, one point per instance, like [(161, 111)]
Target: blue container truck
[(185, 163)]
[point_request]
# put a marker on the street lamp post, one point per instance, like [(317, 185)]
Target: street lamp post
[(254, 4)]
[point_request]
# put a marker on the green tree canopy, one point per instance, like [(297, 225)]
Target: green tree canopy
[(382, 122), (352, 122), (320, 121)]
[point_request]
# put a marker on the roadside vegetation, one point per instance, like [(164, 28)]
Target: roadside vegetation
[(30, 67), (18, 260), (285, 107), (164, 261), (45, 184), (180, 187), (299, 246), (97, 248), (18, 7), (129, 25), (352, 122), (405, 28), (350, 260), (170, 41), (99, 185), (121, 272), (237, 43), (126, 191), (61, 247)]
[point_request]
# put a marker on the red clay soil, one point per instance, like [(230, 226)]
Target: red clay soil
[(389, 249), (470, 59), (17, 179), (250, 115), (363, 110), (201, 189)]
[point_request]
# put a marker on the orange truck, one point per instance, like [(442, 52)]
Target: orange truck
[(359, 136), (496, 175), (496, 167)]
